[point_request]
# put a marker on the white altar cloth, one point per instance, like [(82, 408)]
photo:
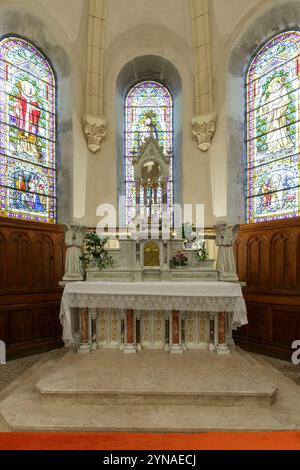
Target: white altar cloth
[(195, 296)]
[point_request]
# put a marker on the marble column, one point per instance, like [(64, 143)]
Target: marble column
[(84, 330), (130, 342), (222, 338), (230, 341), (175, 340)]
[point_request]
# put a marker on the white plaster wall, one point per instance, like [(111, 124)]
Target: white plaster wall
[(152, 27)]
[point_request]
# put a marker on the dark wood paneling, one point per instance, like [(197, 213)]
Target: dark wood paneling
[(31, 265), (268, 260)]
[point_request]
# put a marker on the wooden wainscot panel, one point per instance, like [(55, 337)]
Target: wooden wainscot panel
[(43, 262), (21, 324), (31, 265), (257, 262), (268, 260), (283, 262), (285, 326), (3, 263), (19, 261)]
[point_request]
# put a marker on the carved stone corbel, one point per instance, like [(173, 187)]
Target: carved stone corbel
[(95, 131), (204, 130)]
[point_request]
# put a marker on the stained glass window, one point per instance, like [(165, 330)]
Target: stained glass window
[(273, 132), (27, 132), (147, 101)]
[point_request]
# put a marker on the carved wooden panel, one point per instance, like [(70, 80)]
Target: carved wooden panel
[(285, 326), (3, 274), (19, 261), (241, 258), (272, 275), (31, 265), (21, 326), (43, 254), (257, 262), (260, 324), (283, 261)]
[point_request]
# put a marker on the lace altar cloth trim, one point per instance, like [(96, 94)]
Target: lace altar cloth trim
[(211, 297)]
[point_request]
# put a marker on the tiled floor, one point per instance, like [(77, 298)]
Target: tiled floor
[(15, 368), (286, 367)]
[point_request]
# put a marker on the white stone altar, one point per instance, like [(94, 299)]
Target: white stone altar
[(172, 316), (149, 260)]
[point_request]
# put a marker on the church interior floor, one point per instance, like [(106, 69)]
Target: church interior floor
[(149, 392)]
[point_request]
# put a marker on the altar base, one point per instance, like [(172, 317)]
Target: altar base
[(151, 392)]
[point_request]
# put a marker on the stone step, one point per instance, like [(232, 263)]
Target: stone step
[(25, 409), (200, 399), (33, 415), (196, 378)]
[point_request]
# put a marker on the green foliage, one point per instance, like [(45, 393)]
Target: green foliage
[(94, 250), (202, 254)]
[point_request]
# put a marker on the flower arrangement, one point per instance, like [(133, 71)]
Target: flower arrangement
[(178, 260), (202, 254), (94, 251)]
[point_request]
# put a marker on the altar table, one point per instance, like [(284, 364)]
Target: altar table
[(168, 315)]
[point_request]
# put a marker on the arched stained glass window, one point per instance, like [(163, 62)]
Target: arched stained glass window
[(273, 132), (27, 132), (147, 102)]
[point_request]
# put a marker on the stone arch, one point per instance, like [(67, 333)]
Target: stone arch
[(264, 24)]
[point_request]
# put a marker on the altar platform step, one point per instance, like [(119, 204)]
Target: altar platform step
[(110, 377), (24, 408)]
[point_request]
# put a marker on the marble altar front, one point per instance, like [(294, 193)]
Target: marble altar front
[(172, 316)]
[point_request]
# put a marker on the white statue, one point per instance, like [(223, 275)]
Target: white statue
[(225, 238), (74, 242)]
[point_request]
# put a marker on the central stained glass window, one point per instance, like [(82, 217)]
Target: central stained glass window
[(273, 105), (148, 102), (27, 132)]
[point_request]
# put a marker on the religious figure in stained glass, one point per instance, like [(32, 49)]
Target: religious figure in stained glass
[(149, 111), (27, 113), (275, 107), (272, 171), (27, 132)]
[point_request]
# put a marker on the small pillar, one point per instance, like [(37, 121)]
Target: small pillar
[(222, 347), (93, 313), (130, 341), (212, 345), (175, 340), (84, 330)]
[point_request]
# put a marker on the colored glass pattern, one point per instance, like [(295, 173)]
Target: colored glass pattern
[(273, 105), (27, 133), (147, 98)]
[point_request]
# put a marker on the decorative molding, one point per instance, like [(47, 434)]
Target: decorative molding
[(95, 131), (94, 122), (204, 130), (204, 123)]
